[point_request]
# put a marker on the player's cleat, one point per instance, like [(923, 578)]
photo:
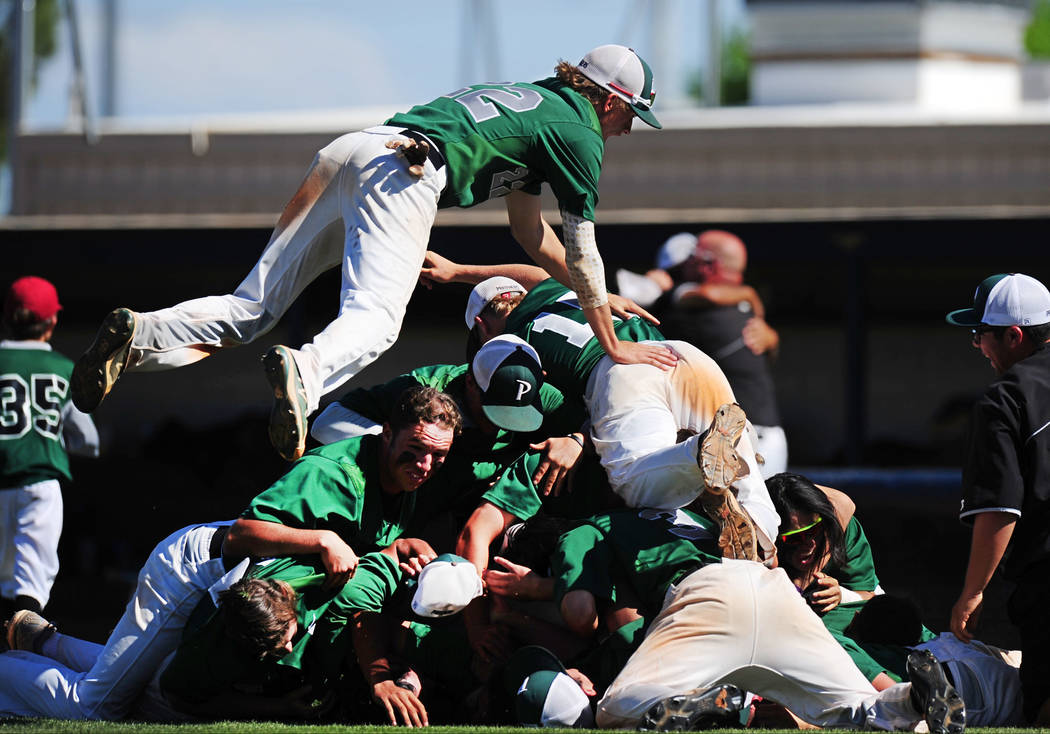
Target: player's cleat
[(288, 417), (737, 538), (27, 630), (933, 696), (716, 455), (715, 708), (720, 466), (95, 373)]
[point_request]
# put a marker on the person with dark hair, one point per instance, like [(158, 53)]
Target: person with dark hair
[(259, 615), (39, 429), (825, 552), (369, 201), (1006, 478)]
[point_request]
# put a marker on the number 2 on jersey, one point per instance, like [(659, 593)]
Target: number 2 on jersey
[(480, 102)]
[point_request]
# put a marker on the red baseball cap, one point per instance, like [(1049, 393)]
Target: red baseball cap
[(35, 295)]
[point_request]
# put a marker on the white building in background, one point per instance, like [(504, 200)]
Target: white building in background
[(936, 54)]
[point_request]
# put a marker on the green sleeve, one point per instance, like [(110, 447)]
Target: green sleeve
[(583, 561), (514, 491), (317, 492), (858, 570), (836, 621), (573, 164), (369, 589)]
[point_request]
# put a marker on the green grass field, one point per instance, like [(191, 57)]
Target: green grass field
[(27, 726)]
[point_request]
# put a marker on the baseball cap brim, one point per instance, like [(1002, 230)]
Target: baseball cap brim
[(964, 317), (518, 418), (646, 116)]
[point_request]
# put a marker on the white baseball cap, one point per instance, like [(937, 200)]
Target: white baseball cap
[(676, 250), (445, 586), (624, 73), (488, 290), (509, 373), (544, 694), (1006, 300)]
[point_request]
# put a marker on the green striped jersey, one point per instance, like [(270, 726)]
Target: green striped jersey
[(497, 138), (551, 320), (34, 392)]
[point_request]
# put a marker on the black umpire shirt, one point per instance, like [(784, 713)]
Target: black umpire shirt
[(1008, 465)]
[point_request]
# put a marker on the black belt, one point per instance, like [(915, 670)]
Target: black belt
[(433, 154), (215, 547)]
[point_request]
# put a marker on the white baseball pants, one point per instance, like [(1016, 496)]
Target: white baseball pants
[(636, 413), (771, 443), (30, 527), (358, 205), (739, 622), (89, 681)]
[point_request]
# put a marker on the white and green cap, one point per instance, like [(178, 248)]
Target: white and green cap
[(509, 373), (624, 73), (544, 694), (1006, 300), (445, 586)]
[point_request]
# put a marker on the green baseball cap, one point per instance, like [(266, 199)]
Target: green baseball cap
[(624, 73), (508, 371)]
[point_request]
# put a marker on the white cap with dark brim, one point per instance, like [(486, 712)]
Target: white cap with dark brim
[(1006, 300), (486, 291), (623, 72)]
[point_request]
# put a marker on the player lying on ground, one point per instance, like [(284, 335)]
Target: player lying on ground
[(829, 560)]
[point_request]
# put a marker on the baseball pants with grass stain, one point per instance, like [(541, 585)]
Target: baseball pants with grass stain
[(358, 207), (637, 411), (741, 623), (75, 679)]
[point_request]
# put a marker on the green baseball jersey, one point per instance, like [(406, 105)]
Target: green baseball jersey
[(857, 571), (336, 487), (646, 549), (476, 457), (34, 391), (514, 492), (208, 662), (498, 138), (551, 320)]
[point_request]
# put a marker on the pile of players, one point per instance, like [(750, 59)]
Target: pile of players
[(630, 522), (571, 528)]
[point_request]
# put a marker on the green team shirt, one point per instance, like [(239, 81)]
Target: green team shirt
[(514, 492), (336, 487), (476, 458), (208, 662), (648, 549), (551, 320), (858, 569), (498, 138), (857, 572), (34, 391)]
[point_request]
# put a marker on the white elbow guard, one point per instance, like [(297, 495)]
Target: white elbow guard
[(586, 269)]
